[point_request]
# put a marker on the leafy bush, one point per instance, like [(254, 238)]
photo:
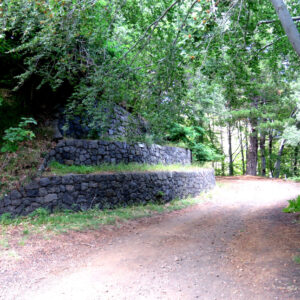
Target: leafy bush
[(15, 135), (294, 206), (194, 138)]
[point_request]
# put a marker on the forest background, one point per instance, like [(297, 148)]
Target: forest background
[(218, 77)]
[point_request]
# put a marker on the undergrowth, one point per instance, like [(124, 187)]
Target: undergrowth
[(63, 221), (294, 206), (297, 259), (20, 167), (60, 169), (296, 179)]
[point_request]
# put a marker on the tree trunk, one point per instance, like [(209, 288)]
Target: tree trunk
[(222, 148), (263, 154), (252, 150), (295, 164), (242, 149), (231, 171), (270, 154), (287, 24), (246, 139), (278, 160)]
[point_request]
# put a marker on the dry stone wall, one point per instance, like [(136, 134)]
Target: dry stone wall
[(81, 192), (116, 122), (95, 152)]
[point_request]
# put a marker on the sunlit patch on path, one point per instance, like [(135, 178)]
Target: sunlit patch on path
[(236, 245)]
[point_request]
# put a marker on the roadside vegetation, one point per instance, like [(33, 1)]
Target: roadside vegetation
[(42, 221), (293, 207), (56, 168), (220, 77), (20, 166)]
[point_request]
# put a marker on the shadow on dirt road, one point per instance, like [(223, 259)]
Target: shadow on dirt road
[(236, 245)]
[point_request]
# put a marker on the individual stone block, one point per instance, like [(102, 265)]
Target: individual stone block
[(44, 182), (16, 202), (43, 192), (84, 186), (68, 199), (32, 193), (50, 198), (15, 195), (68, 179), (69, 188)]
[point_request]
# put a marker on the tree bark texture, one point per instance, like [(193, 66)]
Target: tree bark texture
[(222, 148), (271, 154), (231, 171), (242, 149), (252, 149), (288, 24), (295, 164), (278, 160), (262, 142)]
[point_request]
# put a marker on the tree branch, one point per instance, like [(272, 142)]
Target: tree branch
[(270, 44), (295, 19), (183, 23), (288, 24), (154, 25)]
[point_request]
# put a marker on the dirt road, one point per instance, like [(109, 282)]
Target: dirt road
[(236, 245)]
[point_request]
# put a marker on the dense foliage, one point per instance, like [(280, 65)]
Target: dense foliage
[(218, 76)]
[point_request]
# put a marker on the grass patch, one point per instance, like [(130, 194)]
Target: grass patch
[(41, 220), (296, 179), (60, 169), (297, 259)]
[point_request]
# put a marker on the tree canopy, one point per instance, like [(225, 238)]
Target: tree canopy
[(221, 77)]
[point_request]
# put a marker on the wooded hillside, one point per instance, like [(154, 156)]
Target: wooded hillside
[(218, 77)]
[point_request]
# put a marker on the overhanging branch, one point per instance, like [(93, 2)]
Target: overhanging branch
[(295, 19), (152, 27)]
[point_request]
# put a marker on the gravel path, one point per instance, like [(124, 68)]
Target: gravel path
[(236, 245)]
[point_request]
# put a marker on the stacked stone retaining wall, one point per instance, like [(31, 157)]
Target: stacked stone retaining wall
[(95, 152), (81, 192)]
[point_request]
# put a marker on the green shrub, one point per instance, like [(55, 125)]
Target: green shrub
[(294, 206), (15, 135)]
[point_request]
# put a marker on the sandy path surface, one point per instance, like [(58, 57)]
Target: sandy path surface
[(236, 245)]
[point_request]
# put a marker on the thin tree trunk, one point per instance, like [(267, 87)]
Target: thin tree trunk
[(231, 171), (246, 139), (252, 150), (271, 154), (295, 164), (242, 149), (278, 160), (287, 23), (263, 154), (222, 148)]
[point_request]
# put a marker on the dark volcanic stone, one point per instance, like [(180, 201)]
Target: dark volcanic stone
[(15, 195), (32, 193), (50, 198), (44, 181)]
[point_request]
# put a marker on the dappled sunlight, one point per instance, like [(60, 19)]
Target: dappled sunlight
[(254, 194), (237, 241)]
